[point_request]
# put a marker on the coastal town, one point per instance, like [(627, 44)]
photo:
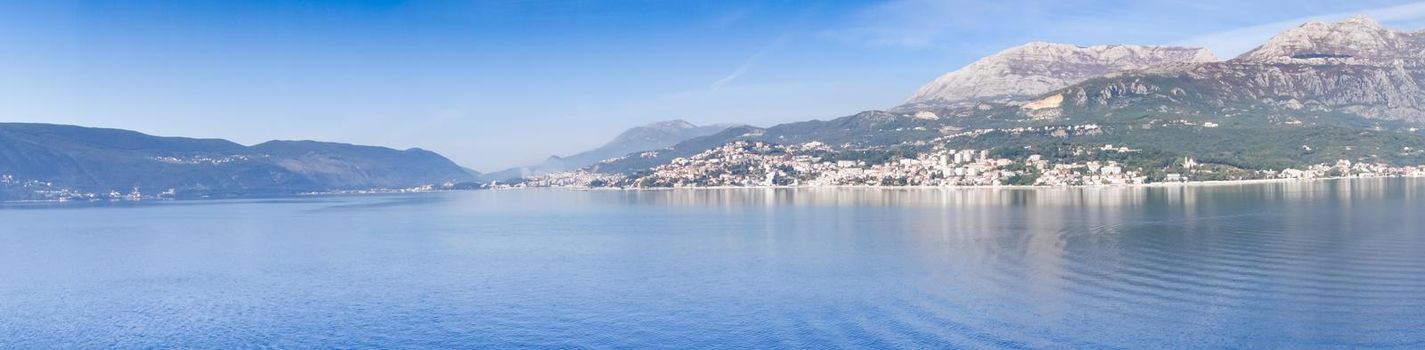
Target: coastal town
[(49, 191), (813, 164)]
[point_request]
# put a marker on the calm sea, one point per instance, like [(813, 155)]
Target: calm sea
[(1333, 264)]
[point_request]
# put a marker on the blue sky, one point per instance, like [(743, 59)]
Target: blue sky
[(502, 83)]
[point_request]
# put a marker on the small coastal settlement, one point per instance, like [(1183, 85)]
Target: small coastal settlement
[(813, 164), (47, 191)]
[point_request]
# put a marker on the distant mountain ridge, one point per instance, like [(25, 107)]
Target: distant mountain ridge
[(59, 158), (1039, 67), (649, 137)]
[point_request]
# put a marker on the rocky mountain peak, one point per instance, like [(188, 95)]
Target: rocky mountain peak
[(1363, 21), (1358, 40), (1040, 67), (675, 124)]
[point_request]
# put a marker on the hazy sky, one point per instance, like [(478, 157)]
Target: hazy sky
[(500, 83)]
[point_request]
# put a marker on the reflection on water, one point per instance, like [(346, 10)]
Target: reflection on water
[(1278, 265), (1368, 189)]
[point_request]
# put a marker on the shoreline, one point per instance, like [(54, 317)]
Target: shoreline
[(1182, 184), (1011, 187)]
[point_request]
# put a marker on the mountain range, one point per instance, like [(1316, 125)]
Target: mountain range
[(44, 161), (1317, 93)]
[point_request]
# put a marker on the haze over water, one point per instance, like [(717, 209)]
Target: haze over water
[(1323, 264)]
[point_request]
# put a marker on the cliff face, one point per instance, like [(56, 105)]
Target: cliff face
[(1037, 68)]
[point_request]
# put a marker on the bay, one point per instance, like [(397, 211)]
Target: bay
[(1324, 264)]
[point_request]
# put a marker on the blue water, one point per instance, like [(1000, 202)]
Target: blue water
[(1337, 264)]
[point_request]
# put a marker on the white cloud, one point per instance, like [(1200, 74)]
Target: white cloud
[(1233, 42)]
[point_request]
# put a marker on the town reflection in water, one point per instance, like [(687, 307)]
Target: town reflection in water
[(1090, 197)]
